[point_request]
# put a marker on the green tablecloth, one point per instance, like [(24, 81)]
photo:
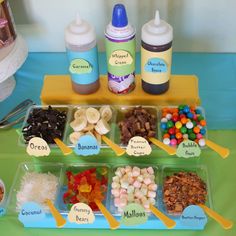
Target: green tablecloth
[(221, 172)]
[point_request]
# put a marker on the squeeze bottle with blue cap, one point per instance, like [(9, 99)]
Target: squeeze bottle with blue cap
[(156, 55), (81, 45), (120, 52)]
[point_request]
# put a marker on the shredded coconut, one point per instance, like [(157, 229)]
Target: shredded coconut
[(37, 187)]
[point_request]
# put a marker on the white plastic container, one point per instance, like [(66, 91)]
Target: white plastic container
[(81, 45)]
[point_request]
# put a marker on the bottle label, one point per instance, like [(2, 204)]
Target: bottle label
[(121, 65), (83, 66), (156, 66)]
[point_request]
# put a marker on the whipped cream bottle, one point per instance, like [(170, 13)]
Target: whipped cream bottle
[(156, 55), (81, 46), (120, 52)]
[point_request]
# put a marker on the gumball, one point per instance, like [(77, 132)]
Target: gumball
[(200, 118), (166, 141), (189, 125), (194, 116), (192, 136), (166, 136), (198, 111), (172, 136), (163, 125), (180, 141), (175, 118), (203, 131), (178, 135), (173, 142), (183, 129), (190, 115), (178, 124), (189, 131), (171, 130), (199, 136), (202, 142), (163, 120), (170, 124), (196, 140), (181, 112), (181, 107), (203, 122), (165, 131), (196, 130), (186, 109), (194, 123), (182, 116), (183, 120), (168, 116)]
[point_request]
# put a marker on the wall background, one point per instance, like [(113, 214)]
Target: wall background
[(199, 25)]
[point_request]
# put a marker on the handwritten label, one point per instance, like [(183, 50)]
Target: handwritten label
[(80, 66), (155, 65), (188, 149), (134, 214), (193, 216), (31, 212), (87, 145), (120, 58), (38, 147), (81, 213), (138, 146)]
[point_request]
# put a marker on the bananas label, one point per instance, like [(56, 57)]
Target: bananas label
[(87, 145)]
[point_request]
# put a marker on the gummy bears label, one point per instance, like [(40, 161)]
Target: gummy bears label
[(188, 149), (81, 213), (134, 214)]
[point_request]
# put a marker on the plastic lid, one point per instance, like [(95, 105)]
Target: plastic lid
[(119, 17), (157, 32), (119, 28), (79, 32)]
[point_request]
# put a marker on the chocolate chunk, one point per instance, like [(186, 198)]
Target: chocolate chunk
[(137, 122), (45, 123)]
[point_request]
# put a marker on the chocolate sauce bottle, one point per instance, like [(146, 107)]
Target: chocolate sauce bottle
[(156, 55)]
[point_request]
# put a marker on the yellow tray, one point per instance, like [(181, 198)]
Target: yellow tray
[(183, 89)]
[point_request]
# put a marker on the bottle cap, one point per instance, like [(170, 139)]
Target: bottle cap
[(79, 32), (119, 28), (119, 17), (157, 32)]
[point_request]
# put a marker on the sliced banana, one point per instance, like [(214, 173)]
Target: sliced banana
[(98, 137), (89, 127), (92, 115), (106, 112), (74, 137), (102, 127), (89, 133), (80, 112), (79, 124)]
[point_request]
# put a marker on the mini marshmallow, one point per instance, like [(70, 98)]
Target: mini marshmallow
[(122, 190), (143, 171), (152, 187), (137, 184), (136, 173), (125, 185), (128, 169), (144, 191), (123, 202), (140, 178), (130, 189), (115, 192), (147, 181), (117, 202), (152, 201), (130, 197), (118, 173), (150, 170), (138, 194), (122, 170), (115, 185), (151, 194), (124, 195), (146, 204), (116, 179)]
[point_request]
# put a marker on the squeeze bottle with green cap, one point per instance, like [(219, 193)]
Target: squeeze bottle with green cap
[(81, 45), (156, 55), (120, 52)]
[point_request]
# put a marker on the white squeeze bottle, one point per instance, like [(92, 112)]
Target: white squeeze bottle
[(156, 55), (81, 46)]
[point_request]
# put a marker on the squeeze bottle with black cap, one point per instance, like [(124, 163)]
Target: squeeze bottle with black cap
[(81, 47), (156, 55)]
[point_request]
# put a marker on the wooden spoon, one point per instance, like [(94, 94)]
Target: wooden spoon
[(65, 149), (226, 224), (60, 221), (116, 148), (166, 148), (222, 151), (114, 224), (169, 223)]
